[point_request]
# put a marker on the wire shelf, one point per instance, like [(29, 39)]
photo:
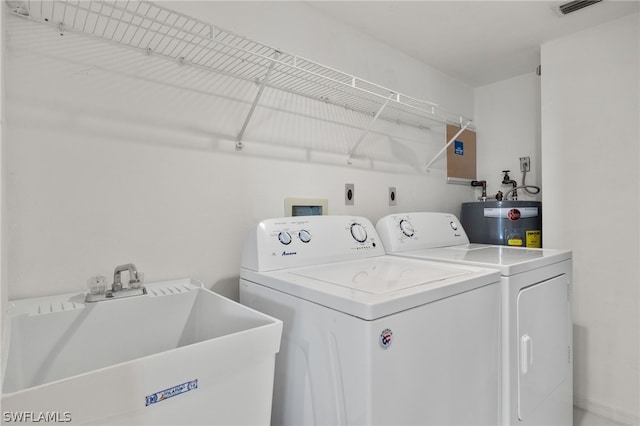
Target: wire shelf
[(163, 32)]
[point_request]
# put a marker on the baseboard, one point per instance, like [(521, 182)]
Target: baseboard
[(616, 415)]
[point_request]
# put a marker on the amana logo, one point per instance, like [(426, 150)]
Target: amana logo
[(289, 253)]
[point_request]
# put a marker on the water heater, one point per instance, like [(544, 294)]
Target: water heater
[(509, 223)]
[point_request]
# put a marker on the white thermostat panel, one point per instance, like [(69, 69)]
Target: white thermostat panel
[(306, 206)]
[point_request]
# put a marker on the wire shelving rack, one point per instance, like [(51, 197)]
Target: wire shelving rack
[(160, 31)]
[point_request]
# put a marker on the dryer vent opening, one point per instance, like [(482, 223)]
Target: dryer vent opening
[(574, 6)]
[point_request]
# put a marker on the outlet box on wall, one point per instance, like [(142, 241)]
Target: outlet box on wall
[(349, 194), (393, 196)]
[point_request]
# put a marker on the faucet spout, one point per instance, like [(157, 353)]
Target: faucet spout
[(133, 276), (506, 180)]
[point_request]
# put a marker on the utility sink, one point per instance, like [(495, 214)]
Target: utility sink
[(180, 354)]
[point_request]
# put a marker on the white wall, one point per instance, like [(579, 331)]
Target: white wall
[(3, 258), (507, 116), (590, 155), (113, 156)]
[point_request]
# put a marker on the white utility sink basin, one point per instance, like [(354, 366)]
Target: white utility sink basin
[(180, 354)]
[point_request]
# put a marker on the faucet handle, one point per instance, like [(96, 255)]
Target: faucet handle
[(97, 285), (136, 280)]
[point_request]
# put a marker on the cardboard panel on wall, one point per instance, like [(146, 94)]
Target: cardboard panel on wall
[(461, 154)]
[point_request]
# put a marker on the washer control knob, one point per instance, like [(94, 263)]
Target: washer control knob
[(284, 237), (407, 228), (304, 235), (453, 225), (358, 233)]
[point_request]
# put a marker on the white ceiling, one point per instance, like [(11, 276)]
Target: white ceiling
[(478, 42)]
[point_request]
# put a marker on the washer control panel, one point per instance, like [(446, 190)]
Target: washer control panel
[(415, 231), (307, 240)]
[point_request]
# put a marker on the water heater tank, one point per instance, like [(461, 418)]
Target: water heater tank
[(509, 223)]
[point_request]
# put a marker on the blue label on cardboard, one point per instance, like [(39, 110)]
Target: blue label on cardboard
[(458, 148)]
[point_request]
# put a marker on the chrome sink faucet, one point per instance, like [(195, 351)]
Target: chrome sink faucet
[(134, 280), (98, 290)]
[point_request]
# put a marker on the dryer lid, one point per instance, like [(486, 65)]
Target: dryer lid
[(510, 260)]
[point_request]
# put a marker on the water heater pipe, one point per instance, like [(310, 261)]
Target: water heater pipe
[(506, 194), (525, 186), (483, 184)]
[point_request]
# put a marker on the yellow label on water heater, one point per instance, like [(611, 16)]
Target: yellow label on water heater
[(534, 239), (515, 241)]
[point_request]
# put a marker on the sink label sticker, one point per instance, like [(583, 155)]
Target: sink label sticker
[(171, 392)]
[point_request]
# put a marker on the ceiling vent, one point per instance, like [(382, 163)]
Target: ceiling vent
[(574, 6)]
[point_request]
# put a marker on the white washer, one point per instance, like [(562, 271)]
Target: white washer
[(536, 310), (371, 339)]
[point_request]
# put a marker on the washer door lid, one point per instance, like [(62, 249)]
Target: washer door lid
[(381, 276)]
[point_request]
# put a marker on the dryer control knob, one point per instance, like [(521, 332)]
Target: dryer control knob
[(453, 225), (284, 237), (304, 236), (407, 228), (358, 233)]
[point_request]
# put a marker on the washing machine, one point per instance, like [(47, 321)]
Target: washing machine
[(372, 339), (536, 382)]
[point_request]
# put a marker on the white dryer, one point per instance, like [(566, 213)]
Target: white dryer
[(371, 339), (536, 310)]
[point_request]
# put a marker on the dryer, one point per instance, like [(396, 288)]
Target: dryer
[(371, 339), (535, 297)]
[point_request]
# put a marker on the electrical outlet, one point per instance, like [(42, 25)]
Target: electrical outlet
[(349, 194), (525, 164), (393, 196)]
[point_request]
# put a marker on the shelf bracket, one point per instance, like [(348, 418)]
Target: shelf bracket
[(261, 84), (462, 129), (368, 129)]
